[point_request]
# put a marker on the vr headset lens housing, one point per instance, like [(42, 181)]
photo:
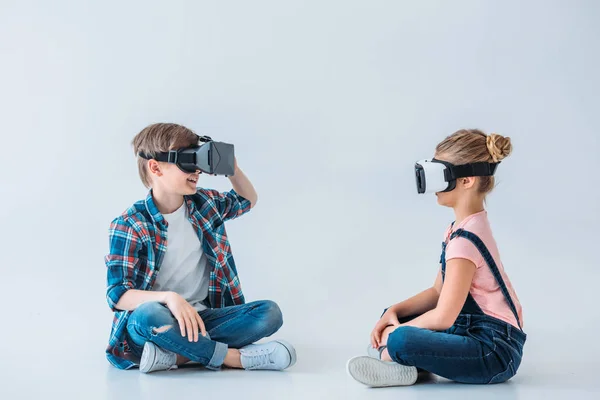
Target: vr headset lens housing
[(430, 176), (434, 176), (215, 158)]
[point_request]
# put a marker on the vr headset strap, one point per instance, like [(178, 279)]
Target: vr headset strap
[(174, 156), (171, 157), (473, 169)]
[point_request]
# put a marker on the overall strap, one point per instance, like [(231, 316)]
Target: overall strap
[(492, 264), (470, 306), (443, 256), (443, 261)]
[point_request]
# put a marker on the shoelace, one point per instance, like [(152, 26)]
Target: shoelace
[(163, 359), (262, 358)]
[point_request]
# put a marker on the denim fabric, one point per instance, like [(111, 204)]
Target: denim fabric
[(477, 349), (235, 327)]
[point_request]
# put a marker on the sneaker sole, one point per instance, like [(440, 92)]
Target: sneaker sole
[(375, 373), (291, 350), (149, 353)]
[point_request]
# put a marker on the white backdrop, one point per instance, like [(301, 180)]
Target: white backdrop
[(329, 103)]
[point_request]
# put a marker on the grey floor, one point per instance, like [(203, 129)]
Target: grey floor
[(319, 374), (56, 329)]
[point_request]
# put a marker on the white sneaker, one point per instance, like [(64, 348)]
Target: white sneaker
[(276, 355), (377, 373), (156, 359), (375, 353)]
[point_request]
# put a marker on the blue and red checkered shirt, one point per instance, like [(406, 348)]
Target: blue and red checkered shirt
[(138, 242)]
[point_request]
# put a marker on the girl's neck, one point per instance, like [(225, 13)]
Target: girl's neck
[(167, 203), (467, 207)]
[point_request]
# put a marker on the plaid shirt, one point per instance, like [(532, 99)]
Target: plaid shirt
[(138, 242)]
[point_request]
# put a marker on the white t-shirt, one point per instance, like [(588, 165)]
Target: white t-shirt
[(184, 269)]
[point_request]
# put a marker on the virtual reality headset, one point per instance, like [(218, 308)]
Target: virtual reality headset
[(210, 157), (434, 176)]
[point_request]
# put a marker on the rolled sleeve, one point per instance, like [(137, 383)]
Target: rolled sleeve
[(122, 262), (230, 205), (114, 293)]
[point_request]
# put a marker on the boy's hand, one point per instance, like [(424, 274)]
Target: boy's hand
[(186, 315), (389, 318), (242, 185)]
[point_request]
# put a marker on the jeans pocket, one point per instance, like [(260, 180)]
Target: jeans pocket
[(505, 375)]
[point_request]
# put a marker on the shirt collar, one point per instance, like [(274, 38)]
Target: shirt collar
[(191, 206), (157, 215), (153, 210)]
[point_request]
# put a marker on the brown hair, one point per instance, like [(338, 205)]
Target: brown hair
[(157, 138), (472, 145)]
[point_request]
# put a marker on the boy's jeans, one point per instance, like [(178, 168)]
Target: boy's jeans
[(234, 327)]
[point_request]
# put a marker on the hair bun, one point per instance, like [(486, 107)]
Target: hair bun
[(499, 146)]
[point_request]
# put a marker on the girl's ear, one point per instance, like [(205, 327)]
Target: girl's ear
[(468, 182)]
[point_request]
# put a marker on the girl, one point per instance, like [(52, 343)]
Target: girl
[(468, 326)]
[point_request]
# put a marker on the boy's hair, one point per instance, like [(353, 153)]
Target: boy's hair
[(157, 138), (472, 145)]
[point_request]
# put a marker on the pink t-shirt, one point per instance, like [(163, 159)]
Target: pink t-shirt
[(484, 288)]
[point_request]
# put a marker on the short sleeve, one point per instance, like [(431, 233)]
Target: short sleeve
[(463, 248)]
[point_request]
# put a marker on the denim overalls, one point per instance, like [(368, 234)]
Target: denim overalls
[(478, 348)]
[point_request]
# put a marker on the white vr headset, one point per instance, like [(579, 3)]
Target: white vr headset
[(434, 176)]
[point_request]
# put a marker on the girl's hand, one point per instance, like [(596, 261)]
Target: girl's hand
[(389, 318)]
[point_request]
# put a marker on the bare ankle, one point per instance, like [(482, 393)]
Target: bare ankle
[(385, 355), (386, 334), (182, 360), (233, 359)]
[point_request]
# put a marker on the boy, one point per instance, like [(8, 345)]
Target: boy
[(172, 280)]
